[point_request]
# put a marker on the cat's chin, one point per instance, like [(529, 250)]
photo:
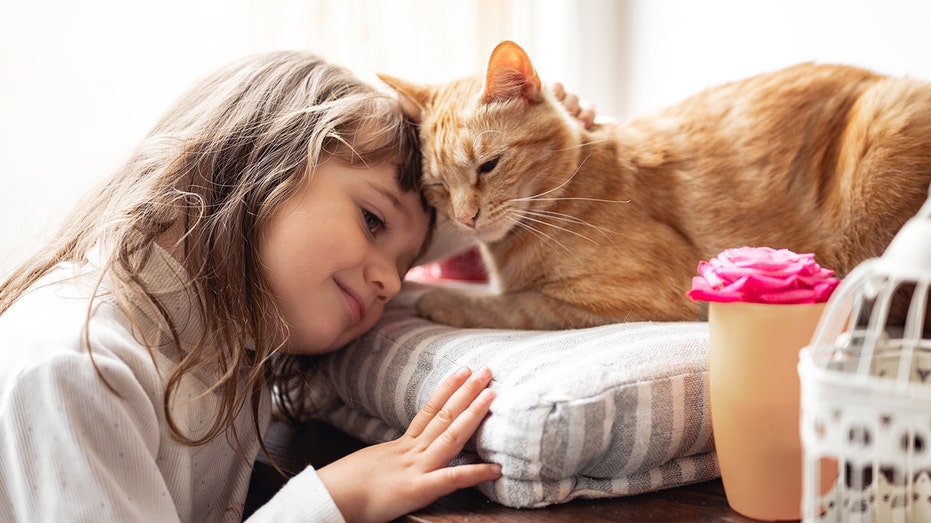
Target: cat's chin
[(484, 233), (490, 235)]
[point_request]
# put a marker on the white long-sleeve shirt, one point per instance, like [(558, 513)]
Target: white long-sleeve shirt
[(72, 449)]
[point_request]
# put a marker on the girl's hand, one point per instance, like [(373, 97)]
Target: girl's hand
[(583, 111), (385, 481)]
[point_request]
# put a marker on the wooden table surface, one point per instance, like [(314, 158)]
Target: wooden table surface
[(319, 444)]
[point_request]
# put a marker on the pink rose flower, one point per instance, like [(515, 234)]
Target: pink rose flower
[(762, 275)]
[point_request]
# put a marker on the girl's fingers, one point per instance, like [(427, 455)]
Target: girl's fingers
[(558, 90), (442, 415), (445, 481), (586, 114), (437, 400), (450, 442), (442, 428), (464, 396)]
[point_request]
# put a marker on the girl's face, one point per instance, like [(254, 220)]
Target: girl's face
[(336, 251)]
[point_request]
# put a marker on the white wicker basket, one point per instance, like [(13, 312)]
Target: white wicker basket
[(866, 391)]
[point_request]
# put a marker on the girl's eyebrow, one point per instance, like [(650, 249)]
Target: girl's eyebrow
[(392, 196)]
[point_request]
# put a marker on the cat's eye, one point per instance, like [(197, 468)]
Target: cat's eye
[(488, 166), (373, 223)]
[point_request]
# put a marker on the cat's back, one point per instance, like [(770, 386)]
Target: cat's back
[(838, 156), (785, 97), (796, 114)]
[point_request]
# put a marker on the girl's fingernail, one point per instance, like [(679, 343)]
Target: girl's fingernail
[(462, 372)]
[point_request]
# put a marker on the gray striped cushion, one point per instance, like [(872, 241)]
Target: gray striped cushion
[(600, 412)]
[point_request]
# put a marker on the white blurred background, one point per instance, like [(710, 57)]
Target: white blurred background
[(82, 82)]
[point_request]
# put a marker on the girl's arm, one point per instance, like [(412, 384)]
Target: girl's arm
[(70, 449)]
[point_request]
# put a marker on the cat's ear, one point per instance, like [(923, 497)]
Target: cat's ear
[(511, 75), (414, 98)]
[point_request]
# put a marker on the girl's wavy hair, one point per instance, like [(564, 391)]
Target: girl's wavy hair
[(216, 168)]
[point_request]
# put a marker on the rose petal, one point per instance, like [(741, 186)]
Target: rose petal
[(763, 274)]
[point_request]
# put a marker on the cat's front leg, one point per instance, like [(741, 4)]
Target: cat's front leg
[(518, 310), (452, 308)]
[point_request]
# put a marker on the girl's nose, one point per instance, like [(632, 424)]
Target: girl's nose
[(383, 274)]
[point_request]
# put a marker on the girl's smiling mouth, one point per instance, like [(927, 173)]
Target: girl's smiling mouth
[(356, 307)]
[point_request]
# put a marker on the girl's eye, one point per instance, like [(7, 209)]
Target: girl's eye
[(373, 223), (488, 166)]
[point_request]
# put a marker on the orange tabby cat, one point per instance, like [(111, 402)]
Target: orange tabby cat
[(586, 227)]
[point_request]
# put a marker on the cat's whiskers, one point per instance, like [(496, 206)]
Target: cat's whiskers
[(560, 186), (540, 196), (542, 235), (568, 218), (539, 234), (583, 144), (476, 141), (575, 198), (528, 217)]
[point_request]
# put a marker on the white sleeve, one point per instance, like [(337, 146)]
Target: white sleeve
[(73, 450), (303, 498)]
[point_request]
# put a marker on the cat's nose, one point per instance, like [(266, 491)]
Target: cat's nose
[(469, 218)]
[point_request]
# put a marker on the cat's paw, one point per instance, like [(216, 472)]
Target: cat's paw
[(444, 306)]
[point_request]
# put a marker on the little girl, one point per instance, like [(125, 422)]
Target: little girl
[(266, 218)]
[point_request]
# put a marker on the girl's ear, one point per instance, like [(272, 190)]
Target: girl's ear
[(511, 75), (414, 98)]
